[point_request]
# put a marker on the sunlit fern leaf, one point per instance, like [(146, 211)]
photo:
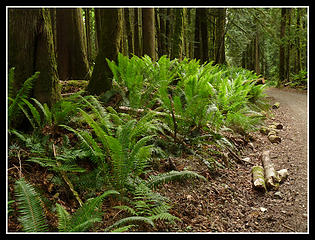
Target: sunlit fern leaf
[(124, 228), (154, 181), (35, 113), (29, 205), (129, 220), (164, 216), (46, 111), (63, 218), (85, 216)]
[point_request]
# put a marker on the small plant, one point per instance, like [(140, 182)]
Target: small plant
[(30, 209), (16, 102), (84, 218)]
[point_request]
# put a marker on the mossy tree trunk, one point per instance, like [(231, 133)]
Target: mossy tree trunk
[(197, 43), (219, 36), (109, 39), (31, 49), (88, 34), (136, 32), (282, 49), (128, 30), (177, 38), (72, 57), (204, 35), (148, 32)]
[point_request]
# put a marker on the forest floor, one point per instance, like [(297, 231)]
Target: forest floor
[(227, 202)]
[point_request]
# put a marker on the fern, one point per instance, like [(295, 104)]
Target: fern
[(129, 220), (154, 181), (84, 217), (16, 102), (29, 204)]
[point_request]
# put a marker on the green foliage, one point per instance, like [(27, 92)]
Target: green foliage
[(84, 218), (30, 209), (154, 181), (16, 103)]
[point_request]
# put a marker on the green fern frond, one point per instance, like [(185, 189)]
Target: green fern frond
[(63, 218), (129, 220), (124, 228), (10, 82), (29, 204), (154, 181), (46, 111), (165, 216), (85, 216)]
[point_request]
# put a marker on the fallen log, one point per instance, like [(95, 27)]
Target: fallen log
[(282, 174), (259, 178), (271, 176)]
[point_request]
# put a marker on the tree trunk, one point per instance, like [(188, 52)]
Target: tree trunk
[(162, 16), (136, 33), (168, 30), (298, 42), (72, 59), (257, 63), (204, 35), (177, 38), (88, 34), (148, 36), (281, 52), (101, 79), (98, 27), (287, 74), (128, 30), (219, 36), (31, 49), (197, 44)]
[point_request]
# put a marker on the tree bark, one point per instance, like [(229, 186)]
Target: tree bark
[(136, 32), (282, 49), (88, 34), (31, 49), (148, 33), (197, 44), (177, 38), (72, 59), (219, 37), (101, 79), (204, 35), (128, 30)]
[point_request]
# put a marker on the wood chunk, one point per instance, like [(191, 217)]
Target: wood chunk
[(271, 176), (258, 178)]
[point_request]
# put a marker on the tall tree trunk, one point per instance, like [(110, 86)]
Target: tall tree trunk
[(98, 27), (72, 59), (148, 35), (158, 31), (128, 30), (31, 49), (197, 44), (162, 15), (298, 42), (257, 63), (282, 49), (287, 74), (204, 35), (53, 27), (168, 30), (220, 32), (88, 34), (137, 50), (101, 79), (177, 38)]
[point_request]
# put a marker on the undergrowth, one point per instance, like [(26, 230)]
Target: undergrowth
[(98, 149)]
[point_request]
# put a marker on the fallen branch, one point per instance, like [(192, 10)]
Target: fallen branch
[(66, 179), (271, 176)]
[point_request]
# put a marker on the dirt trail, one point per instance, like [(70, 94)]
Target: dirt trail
[(291, 153)]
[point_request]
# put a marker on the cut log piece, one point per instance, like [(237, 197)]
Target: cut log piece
[(259, 178), (274, 138), (276, 105), (271, 176), (282, 174)]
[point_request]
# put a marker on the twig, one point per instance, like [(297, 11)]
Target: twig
[(288, 227), (20, 171), (66, 179)]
